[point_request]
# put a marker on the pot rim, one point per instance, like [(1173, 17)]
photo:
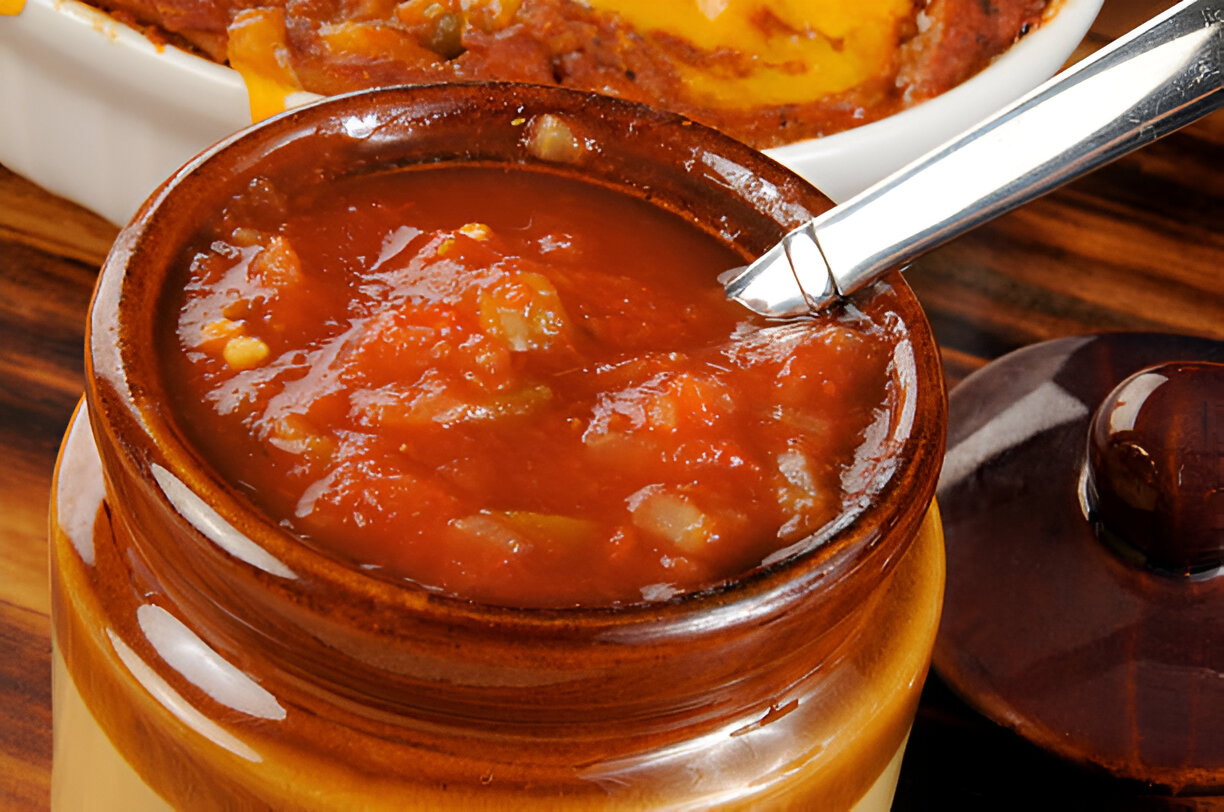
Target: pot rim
[(123, 402)]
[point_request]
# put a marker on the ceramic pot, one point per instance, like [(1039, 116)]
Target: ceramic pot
[(206, 658)]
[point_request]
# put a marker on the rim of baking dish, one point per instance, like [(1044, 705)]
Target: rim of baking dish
[(146, 109)]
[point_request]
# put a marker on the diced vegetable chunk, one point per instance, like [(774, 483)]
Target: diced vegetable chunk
[(674, 518), (245, 352), (277, 265), (551, 138), (524, 311), (216, 334), (476, 231), (296, 434), (514, 526)]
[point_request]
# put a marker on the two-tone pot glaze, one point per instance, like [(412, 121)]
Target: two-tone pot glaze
[(229, 665)]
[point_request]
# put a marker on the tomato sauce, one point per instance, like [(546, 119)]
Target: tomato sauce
[(515, 387)]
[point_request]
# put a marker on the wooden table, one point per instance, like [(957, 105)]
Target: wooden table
[(1136, 246)]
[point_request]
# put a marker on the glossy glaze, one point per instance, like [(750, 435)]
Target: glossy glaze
[(209, 736), (1156, 465), (322, 684), (1054, 628)]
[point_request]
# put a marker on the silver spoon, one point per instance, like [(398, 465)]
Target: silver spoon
[(1158, 78)]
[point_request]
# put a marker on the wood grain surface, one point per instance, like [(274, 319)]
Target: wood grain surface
[(1136, 246)]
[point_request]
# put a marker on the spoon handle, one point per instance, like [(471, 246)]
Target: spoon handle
[(1158, 78)]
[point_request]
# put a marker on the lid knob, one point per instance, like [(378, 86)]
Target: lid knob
[(1156, 465)]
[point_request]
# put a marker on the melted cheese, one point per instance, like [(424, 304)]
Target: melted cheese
[(258, 51), (746, 52), (773, 51)]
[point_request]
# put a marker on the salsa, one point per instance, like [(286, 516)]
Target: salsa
[(516, 387), (764, 71)]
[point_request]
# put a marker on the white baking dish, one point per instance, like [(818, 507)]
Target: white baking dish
[(93, 111)]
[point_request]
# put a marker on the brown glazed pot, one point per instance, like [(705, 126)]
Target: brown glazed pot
[(231, 666), (1085, 543)]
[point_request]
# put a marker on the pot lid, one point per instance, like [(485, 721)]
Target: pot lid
[(1083, 509)]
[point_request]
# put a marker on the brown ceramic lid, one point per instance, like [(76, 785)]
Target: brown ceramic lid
[(1083, 508)]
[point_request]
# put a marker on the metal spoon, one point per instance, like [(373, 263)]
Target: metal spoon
[(1158, 78)]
